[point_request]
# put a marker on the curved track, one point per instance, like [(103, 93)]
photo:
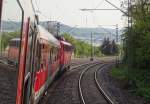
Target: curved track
[(89, 88), (65, 88), (77, 86)]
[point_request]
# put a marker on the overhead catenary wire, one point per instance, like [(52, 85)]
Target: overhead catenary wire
[(99, 4), (38, 10), (36, 4)]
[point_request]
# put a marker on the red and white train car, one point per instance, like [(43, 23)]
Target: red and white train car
[(66, 52), (22, 12), (13, 51), (51, 58), (40, 55), (47, 60)]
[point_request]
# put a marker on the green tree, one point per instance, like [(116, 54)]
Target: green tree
[(6, 37), (137, 37), (109, 47), (81, 48), (114, 48)]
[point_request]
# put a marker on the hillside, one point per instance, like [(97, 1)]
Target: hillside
[(83, 34)]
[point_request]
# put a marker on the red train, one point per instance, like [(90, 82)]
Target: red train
[(39, 54), (52, 57), (13, 51)]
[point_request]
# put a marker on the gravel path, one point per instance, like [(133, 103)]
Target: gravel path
[(8, 84)]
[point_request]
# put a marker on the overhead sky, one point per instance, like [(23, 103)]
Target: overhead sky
[(68, 12)]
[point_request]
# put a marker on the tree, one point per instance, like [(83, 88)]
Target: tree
[(6, 37), (109, 47), (137, 37), (114, 48), (81, 48)]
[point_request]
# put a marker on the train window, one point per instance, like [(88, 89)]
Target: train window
[(14, 43), (49, 57), (43, 46), (11, 24), (53, 54), (38, 56), (56, 56)]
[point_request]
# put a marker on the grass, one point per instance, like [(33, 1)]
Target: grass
[(119, 73), (138, 80)]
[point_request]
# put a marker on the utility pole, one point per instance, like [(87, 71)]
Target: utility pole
[(130, 46), (116, 43), (48, 27), (91, 59), (58, 28), (117, 33), (1, 3)]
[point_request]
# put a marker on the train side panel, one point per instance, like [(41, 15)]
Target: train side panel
[(47, 64), (65, 55)]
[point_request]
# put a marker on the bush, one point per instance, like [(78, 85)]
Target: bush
[(138, 80)]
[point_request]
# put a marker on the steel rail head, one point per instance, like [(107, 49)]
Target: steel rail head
[(108, 99), (79, 82), (82, 65)]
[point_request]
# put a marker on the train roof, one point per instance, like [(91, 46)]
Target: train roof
[(15, 39), (66, 43), (44, 34)]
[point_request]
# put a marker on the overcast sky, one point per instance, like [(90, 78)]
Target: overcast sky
[(68, 12)]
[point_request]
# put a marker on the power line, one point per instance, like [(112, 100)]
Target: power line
[(95, 9), (115, 8), (39, 11), (37, 5), (99, 4)]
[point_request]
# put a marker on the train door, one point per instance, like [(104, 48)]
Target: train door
[(11, 16), (49, 62), (28, 93)]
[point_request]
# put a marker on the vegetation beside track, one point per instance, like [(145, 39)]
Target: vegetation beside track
[(137, 81), (6, 37), (82, 49), (136, 62)]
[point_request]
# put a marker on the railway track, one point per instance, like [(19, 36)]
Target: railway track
[(75, 67), (76, 63), (4, 60), (90, 90), (100, 88), (66, 89), (64, 83)]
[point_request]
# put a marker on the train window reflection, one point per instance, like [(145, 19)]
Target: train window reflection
[(9, 50)]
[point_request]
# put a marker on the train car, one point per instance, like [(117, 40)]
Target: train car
[(13, 51), (19, 16), (38, 54), (46, 62), (66, 52)]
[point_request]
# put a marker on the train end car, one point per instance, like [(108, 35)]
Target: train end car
[(66, 53), (13, 51)]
